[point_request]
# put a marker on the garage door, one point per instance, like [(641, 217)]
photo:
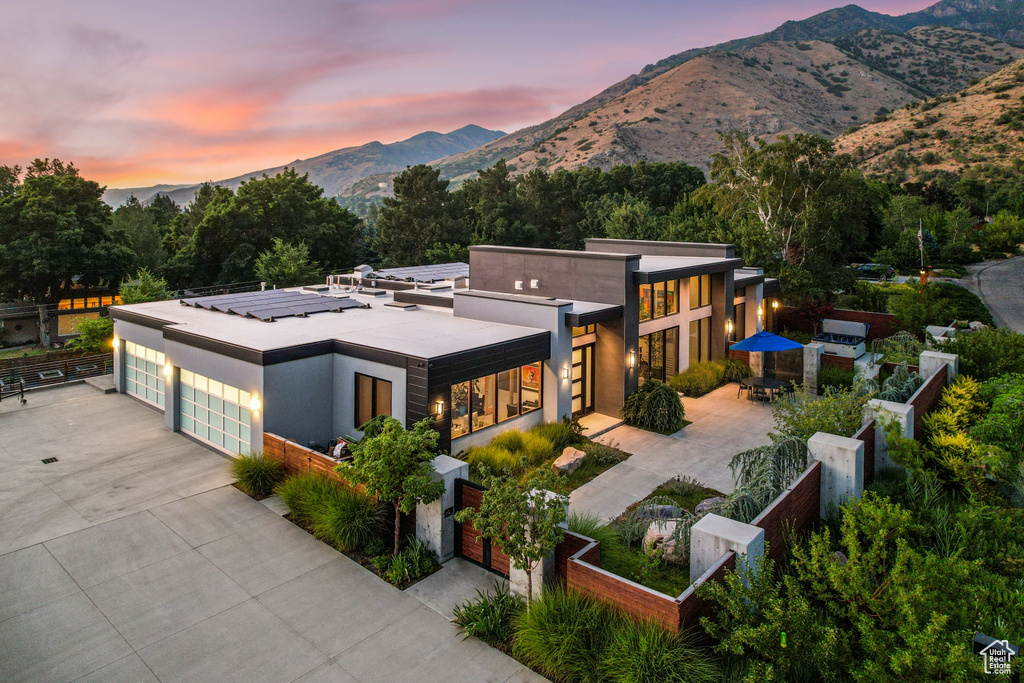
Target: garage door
[(215, 412), (143, 373)]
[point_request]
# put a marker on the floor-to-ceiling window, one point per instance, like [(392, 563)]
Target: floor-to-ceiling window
[(740, 326), (700, 340), (659, 355), (700, 291), (490, 399), (215, 412), (144, 373), (373, 398)]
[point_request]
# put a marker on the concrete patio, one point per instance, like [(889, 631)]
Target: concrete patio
[(723, 425), (131, 559)]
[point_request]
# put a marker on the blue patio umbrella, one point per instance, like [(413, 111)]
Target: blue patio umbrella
[(766, 341)]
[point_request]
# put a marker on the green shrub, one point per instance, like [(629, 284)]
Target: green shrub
[(257, 474), (835, 377), (586, 524), (491, 616), (656, 407), (495, 459), (335, 513), (415, 560), (534, 447), (839, 412), (698, 379), (646, 653), (988, 353), (564, 634), (733, 369), (560, 434), (799, 336)]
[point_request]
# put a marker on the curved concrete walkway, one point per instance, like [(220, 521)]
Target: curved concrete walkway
[(999, 284), (723, 425), (131, 559)]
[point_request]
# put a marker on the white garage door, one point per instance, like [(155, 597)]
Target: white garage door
[(144, 373), (215, 412)]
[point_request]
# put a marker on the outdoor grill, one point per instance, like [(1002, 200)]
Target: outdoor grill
[(843, 337)]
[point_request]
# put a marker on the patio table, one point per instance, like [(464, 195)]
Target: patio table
[(766, 383)]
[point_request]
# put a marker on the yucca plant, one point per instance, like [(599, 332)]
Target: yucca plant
[(257, 474)]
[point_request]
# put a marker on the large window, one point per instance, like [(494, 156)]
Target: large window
[(740, 326), (67, 325), (700, 340), (700, 291), (373, 398), (581, 331), (485, 401), (659, 300), (659, 355), (215, 412), (144, 373)]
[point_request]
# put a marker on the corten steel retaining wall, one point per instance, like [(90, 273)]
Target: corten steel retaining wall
[(691, 607), (742, 356), (883, 325), (926, 398), (867, 435), (836, 361), (888, 368), (796, 508)]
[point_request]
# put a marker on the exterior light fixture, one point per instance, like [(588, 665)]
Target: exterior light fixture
[(168, 370), (760, 311), (565, 372), (439, 407), (775, 305), (115, 342), (632, 360), (728, 327), (534, 284), (254, 403)]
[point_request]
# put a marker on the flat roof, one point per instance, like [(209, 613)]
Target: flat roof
[(661, 268), (421, 332)]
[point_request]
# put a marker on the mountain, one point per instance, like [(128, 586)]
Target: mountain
[(976, 21), (981, 127), (336, 170)]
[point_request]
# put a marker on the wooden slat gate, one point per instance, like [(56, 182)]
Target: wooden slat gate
[(469, 545)]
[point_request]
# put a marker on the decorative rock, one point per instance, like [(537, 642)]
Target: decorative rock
[(659, 535), (569, 461), (707, 505)]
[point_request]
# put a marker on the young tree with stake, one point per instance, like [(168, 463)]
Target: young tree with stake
[(396, 467)]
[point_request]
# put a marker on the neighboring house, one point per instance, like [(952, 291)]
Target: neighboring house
[(518, 337), (21, 320)]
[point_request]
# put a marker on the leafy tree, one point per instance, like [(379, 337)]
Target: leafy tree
[(422, 214), (835, 412), (181, 266), (94, 336), (139, 224), (495, 209), (396, 467), (55, 232), (632, 220), (286, 265), (523, 518), (143, 287), (1004, 234)]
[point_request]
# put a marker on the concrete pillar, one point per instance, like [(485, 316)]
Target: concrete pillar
[(812, 365), (435, 522), (757, 363), (931, 361), (842, 468), (713, 536), (543, 571), (883, 412), (172, 391)]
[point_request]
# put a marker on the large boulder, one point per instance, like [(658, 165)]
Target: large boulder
[(659, 536), (707, 505), (569, 461)]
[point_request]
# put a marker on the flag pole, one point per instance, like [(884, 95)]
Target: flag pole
[(920, 239)]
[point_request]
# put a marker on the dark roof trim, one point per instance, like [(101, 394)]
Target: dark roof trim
[(118, 313), (660, 247), (246, 355), (593, 317), (518, 298), (424, 299), (748, 281), (652, 276), (606, 256)]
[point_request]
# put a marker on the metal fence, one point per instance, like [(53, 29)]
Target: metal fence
[(46, 373)]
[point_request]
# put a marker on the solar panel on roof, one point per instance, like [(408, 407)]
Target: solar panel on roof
[(440, 271), (271, 305)]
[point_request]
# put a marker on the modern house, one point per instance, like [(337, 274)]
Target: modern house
[(514, 338)]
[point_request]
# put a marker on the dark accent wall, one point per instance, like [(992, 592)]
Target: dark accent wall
[(610, 367), (425, 299), (417, 404), (722, 309), (443, 371)]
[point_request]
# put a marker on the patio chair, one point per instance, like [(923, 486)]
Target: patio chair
[(743, 387)]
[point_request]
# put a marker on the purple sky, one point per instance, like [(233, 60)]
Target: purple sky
[(137, 93)]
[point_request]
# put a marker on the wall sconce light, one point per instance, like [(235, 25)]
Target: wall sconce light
[(728, 327), (254, 403), (168, 370), (775, 305), (565, 372), (439, 407), (632, 360), (115, 342), (760, 311)]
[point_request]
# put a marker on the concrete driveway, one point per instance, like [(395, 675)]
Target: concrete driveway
[(723, 425), (999, 285), (131, 559)]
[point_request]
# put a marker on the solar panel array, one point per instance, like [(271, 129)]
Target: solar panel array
[(439, 271), (268, 306)]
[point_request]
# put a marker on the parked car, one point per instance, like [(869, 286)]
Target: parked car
[(874, 271)]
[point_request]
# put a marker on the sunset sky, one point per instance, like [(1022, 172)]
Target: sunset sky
[(137, 93)]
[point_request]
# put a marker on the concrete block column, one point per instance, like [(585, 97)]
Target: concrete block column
[(435, 522), (812, 365), (842, 468), (713, 536), (883, 412), (931, 361), (757, 363)]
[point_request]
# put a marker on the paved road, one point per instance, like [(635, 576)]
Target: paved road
[(131, 559), (1000, 284)]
